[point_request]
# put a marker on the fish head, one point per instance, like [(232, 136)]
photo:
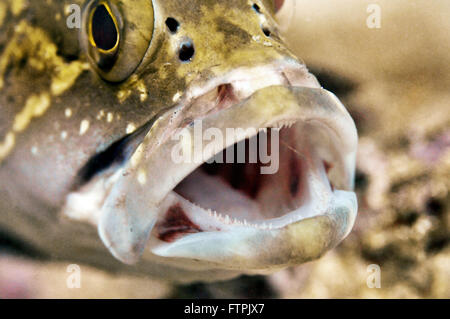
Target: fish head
[(162, 79), (224, 65)]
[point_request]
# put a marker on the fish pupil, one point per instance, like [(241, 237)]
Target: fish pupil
[(104, 32)]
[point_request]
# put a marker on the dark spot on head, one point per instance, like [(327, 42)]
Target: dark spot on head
[(112, 157), (233, 33), (187, 51), (266, 32), (256, 8), (172, 24)]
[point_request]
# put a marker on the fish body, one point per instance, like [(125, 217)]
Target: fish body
[(88, 115)]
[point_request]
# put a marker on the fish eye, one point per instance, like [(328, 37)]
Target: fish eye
[(116, 35), (103, 30)]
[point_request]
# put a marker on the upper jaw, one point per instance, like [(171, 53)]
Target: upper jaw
[(248, 80)]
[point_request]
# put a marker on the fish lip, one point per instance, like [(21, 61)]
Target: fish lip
[(286, 71)]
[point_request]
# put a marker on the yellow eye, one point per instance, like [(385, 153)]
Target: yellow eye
[(103, 30), (116, 35)]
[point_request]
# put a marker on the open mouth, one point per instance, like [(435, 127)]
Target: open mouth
[(287, 172), (234, 192), (296, 165)]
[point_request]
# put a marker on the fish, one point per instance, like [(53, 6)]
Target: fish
[(92, 97)]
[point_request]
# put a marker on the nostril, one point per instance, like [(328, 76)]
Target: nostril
[(266, 32), (187, 51), (172, 24), (265, 29), (256, 8)]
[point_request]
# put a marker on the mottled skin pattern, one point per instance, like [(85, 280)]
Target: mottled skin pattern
[(56, 112), (160, 76)]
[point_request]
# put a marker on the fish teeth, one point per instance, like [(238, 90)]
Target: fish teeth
[(283, 124), (227, 219)]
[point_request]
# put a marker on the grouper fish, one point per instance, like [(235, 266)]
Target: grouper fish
[(92, 94)]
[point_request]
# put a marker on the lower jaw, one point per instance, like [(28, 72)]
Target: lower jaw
[(258, 250)]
